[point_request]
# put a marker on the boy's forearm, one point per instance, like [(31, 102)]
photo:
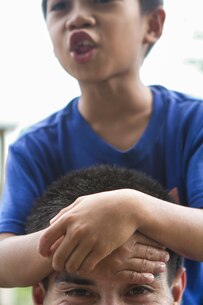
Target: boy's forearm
[(20, 263), (176, 227)]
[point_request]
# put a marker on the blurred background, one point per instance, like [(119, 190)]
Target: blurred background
[(33, 84)]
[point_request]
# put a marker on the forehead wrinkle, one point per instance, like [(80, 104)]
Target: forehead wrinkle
[(74, 279)]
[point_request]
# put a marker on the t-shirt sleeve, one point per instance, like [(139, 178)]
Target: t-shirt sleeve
[(19, 192), (195, 172)]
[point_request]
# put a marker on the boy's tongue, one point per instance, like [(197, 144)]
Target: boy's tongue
[(83, 47)]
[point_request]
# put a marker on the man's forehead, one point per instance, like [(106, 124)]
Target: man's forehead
[(65, 277), (73, 278)]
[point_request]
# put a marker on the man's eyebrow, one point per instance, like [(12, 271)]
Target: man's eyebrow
[(72, 278)]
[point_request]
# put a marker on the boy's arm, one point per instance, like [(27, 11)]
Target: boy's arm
[(112, 218), (177, 227), (20, 262), (22, 265)]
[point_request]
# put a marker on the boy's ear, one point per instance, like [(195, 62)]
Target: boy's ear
[(38, 294), (178, 286), (155, 23)]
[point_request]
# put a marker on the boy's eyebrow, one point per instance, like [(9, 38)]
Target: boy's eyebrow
[(72, 278)]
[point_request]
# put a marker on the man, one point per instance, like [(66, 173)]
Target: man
[(101, 286)]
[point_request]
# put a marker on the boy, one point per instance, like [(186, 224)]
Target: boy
[(167, 288), (117, 120)]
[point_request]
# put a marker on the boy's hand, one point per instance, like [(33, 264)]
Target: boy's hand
[(137, 261), (89, 230)]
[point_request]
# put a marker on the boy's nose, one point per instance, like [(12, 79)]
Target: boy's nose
[(80, 17)]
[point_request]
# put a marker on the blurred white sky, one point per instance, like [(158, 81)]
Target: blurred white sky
[(33, 84)]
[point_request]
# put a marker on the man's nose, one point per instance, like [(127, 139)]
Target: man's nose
[(111, 300), (80, 17)]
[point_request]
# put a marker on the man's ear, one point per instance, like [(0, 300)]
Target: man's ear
[(178, 286), (38, 294), (155, 23)]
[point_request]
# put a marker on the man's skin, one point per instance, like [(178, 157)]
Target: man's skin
[(101, 286), (70, 289)]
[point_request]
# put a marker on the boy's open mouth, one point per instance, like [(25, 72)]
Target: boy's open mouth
[(82, 47)]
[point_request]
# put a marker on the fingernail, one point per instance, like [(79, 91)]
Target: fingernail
[(166, 257), (161, 267), (149, 277)]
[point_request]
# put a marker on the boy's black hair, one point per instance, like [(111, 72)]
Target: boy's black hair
[(44, 8), (94, 180), (145, 5), (149, 5)]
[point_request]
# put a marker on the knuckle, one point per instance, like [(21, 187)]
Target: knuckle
[(143, 265), (101, 250), (58, 259), (134, 276), (149, 253), (77, 232), (63, 211), (116, 263), (57, 263), (164, 256)]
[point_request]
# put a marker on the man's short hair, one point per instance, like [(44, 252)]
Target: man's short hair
[(145, 5), (92, 180)]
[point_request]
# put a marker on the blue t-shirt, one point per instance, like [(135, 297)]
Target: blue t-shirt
[(170, 150)]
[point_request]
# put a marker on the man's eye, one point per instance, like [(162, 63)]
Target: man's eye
[(78, 292), (139, 290)]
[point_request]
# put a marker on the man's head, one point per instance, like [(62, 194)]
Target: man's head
[(58, 287)]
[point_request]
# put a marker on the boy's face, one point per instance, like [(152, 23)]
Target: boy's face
[(95, 40), (64, 289)]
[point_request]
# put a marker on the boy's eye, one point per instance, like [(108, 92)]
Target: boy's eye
[(102, 1), (60, 6)]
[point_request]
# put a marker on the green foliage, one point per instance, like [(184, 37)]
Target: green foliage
[(23, 296), (197, 62), (16, 296)]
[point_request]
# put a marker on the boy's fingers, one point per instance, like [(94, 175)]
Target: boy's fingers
[(49, 237), (73, 250), (55, 218), (62, 254), (56, 245), (76, 259), (85, 256), (65, 210)]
